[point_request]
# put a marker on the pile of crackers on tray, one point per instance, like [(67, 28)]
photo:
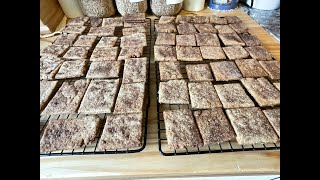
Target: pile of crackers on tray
[(231, 86), (87, 71)]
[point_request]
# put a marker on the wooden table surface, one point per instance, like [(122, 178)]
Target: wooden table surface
[(149, 163)]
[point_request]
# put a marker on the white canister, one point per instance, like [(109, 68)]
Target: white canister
[(71, 8), (264, 4), (193, 5)]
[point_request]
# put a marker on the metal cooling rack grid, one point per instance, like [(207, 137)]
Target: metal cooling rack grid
[(92, 148), (229, 146)]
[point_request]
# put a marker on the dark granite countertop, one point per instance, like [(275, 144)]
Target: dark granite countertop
[(269, 20)]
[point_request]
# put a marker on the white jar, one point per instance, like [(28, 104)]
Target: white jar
[(193, 5), (264, 4)]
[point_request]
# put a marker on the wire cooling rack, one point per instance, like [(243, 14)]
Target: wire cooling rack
[(229, 146), (92, 148)]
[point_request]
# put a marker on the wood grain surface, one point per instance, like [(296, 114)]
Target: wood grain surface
[(149, 163), (51, 13)]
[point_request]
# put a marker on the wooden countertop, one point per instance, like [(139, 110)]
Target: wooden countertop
[(149, 163)]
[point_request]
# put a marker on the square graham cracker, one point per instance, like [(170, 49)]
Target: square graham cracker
[(186, 28), (203, 95), (46, 91), (102, 31), (188, 53), (239, 27), (104, 69), (259, 53), (214, 126), (251, 126), (130, 98), (212, 52), (173, 92), (130, 52), (273, 115), (233, 96), (218, 20), (170, 71), (167, 19), (133, 30), (65, 39), (207, 39), (73, 29), (262, 91), (166, 39), (77, 53), (165, 53), (199, 72), (65, 134), (107, 42), (166, 28), (183, 19), (85, 41), (99, 97), (250, 40), (186, 40), (113, 21), (67, 99), (205, 28), (78, 21), (233, 19), (121, 131), (72, 69), (224, 29), (49, 67), (181, 129), (231, 40), (225, 71), (250, 68), (134, 40), (135, 70), (104, 54), (235, 52), (54, 50), (272, 68)]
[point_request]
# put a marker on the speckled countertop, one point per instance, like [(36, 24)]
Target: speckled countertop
[(269, 20)]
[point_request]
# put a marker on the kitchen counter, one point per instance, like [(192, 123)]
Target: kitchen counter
[(149, 163), (269, 20)]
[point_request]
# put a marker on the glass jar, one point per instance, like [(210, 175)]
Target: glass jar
[(97, 8), (131, 6), (164, 8)]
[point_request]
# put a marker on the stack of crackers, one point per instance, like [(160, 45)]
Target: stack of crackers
[(87, 71), (228, 81)]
